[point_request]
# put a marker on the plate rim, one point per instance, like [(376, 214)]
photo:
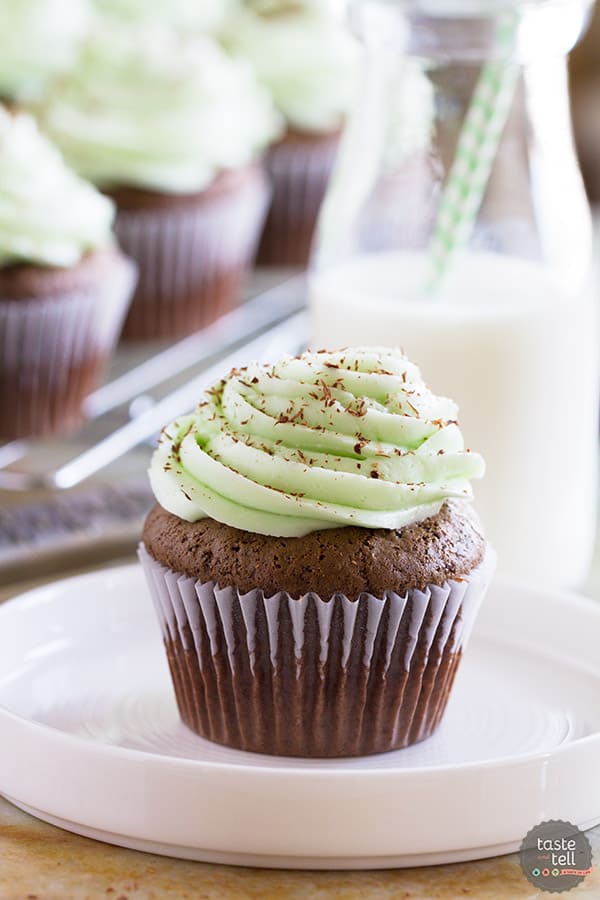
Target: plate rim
[(343, 815), (298, 862)]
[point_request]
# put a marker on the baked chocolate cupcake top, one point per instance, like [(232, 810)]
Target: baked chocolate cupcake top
[(351, 561), (319, 441)]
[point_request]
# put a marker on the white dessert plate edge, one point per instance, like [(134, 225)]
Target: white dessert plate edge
[(241, 809)]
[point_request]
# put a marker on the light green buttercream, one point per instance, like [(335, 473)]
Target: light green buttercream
[(48, 215), (319, 441), (303, 55), (148, 108), (184, 15), (38, 39)]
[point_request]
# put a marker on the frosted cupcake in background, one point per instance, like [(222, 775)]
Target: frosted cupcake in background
[(186, 16), (39, 39), (64, 285), (170, 128), (313, 558), (304, 56)]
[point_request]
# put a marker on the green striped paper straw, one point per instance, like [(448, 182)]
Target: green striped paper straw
[(475, 154)]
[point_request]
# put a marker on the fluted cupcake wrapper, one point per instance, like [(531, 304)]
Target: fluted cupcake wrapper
[(299, 170), (192, 257), (312, 677), (54, 351)]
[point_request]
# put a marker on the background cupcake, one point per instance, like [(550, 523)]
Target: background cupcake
[(302, 53), (39, 39), (64, 286), (171, 129), (314, 564)]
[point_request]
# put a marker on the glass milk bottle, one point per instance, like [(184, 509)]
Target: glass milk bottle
[(456, 226)]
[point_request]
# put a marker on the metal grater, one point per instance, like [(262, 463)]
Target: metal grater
[(71, 529)]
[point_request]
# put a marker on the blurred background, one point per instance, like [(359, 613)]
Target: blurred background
[(162, 170), (585, 90)]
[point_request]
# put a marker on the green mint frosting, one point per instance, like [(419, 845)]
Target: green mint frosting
[(303, 54), (205, 16), (48, 214), (38, 40), (323, 440), (147, 107)]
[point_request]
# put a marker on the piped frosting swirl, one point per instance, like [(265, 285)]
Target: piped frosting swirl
[(323, 440), (48, 215), (304, 56), (148, 107), (39, 39)]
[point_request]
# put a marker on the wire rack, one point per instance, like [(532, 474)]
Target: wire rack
[(266, 325), (71, 502)]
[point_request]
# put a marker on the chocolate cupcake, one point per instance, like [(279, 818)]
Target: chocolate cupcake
[(299, 166), (170, 127), (64, 285), (314, 562), (309, 63)]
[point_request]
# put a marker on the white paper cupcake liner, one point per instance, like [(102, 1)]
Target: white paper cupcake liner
[(299, 169), (54, 350), (193, 256), (312, 677)]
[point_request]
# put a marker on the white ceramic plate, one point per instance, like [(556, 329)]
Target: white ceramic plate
[(90, 740)]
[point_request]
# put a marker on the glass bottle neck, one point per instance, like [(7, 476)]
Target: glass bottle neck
[(542, 28)]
